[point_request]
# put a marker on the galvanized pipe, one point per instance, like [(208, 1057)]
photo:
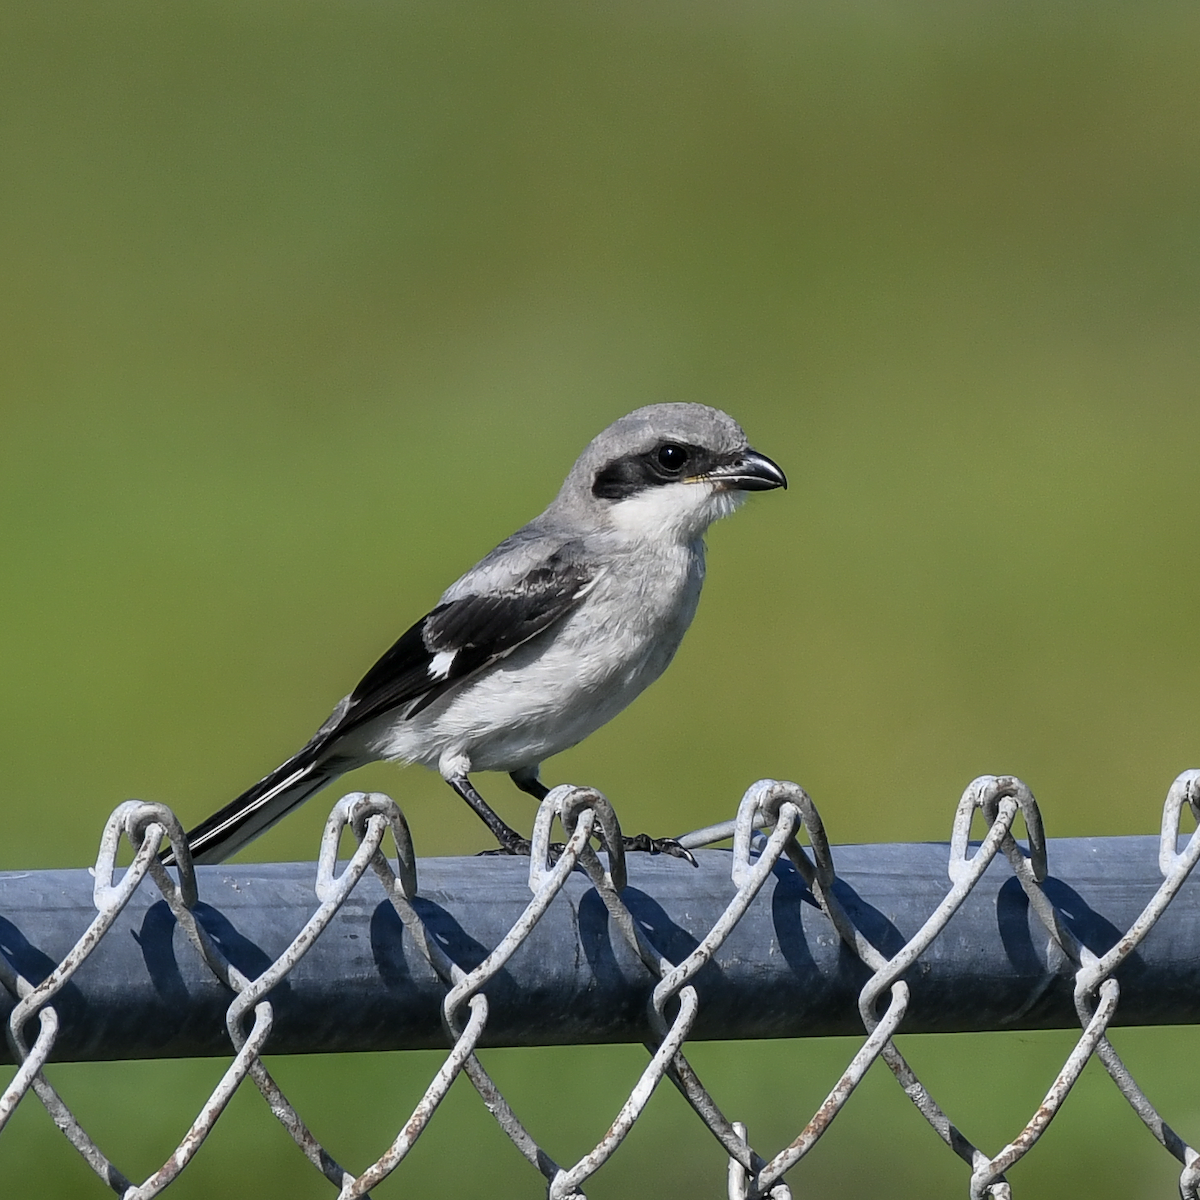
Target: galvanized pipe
[(783, 972)]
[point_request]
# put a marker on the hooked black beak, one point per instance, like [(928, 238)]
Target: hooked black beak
[(748, 472)]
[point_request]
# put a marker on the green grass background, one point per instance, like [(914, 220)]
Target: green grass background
[(305, 306)]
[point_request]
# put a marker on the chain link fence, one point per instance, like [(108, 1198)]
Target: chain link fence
[(766, 940)]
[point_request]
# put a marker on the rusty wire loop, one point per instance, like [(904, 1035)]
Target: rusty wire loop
[(672, 999)]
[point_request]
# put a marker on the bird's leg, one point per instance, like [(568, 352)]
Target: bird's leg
[(530, 784), (643, 842), (511, 842)]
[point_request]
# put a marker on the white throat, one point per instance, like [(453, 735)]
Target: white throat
[(674, 514)]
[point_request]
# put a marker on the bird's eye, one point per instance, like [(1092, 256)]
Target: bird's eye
[(672, 457)]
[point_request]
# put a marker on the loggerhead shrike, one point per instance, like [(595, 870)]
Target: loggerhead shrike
[(546, 638)]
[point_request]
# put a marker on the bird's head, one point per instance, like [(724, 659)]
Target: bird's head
[(666, 472)]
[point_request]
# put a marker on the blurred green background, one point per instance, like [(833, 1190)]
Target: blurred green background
[(306, 306)]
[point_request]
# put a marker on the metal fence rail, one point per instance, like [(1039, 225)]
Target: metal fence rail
[(763, 941)]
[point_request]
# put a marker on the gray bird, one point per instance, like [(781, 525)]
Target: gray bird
[(546, 638)]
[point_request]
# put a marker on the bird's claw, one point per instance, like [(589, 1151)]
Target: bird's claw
[(644, 843)]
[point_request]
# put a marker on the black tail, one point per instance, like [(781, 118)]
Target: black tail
[(259, 807)]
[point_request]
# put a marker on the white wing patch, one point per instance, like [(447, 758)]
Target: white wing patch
[(440, 664), (587, 587)]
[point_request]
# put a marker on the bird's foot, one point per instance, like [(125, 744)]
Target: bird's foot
[(514, 846), (646, 844), (641, 843), (521, 847)]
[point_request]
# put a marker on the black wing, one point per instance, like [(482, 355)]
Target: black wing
[(462, 637)]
